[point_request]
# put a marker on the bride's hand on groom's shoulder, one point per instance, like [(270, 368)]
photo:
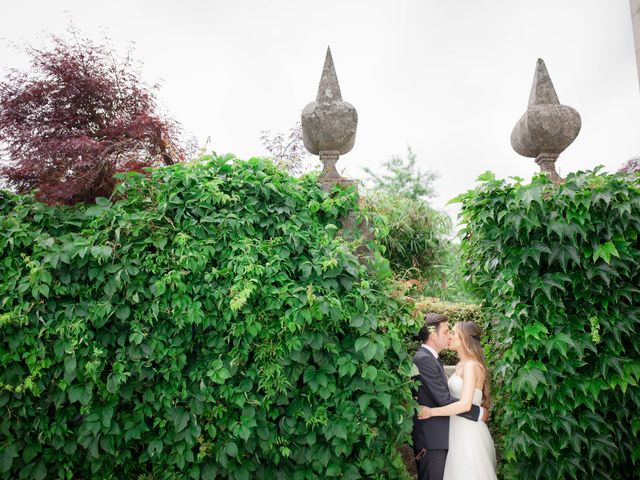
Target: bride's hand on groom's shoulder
[(424, 413)]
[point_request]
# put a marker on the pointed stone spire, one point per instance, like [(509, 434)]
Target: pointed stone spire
[(329, 125), (547, 127), (542, 91), (329, 89)]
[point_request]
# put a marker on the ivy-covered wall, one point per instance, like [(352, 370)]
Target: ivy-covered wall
[(558, 269), (209, 323)]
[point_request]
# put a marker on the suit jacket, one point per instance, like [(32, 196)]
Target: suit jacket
[(433, 433)]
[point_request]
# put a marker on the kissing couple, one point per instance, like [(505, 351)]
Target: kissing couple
[(451, 440)]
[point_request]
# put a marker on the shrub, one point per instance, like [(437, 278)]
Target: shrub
[(557, 267), (413, 234), (208, 324), (457, 312)]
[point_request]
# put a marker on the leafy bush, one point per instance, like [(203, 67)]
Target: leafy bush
[(414, 234), (208, 324), (457, 312), (451, 286), (558, 268)]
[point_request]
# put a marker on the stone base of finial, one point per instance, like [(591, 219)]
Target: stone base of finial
[(547, 164), (330, 176), (350, 227), (328, 182), (328, 179)]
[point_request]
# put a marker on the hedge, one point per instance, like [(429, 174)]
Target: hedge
[(557, 268), (413, 234), (206, 322)]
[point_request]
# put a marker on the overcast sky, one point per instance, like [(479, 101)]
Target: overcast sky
[(448, 77)]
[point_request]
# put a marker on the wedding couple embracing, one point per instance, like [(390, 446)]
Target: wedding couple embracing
[(451, 440)]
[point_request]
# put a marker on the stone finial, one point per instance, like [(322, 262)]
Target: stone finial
[(329, 124), (329, 88), (547, 128)]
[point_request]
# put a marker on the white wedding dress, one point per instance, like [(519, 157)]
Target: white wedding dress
[(472, 455)]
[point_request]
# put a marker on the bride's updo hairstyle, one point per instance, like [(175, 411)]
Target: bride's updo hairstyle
[(470, 334)]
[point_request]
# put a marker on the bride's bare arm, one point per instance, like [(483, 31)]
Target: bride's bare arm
[(464, 404)]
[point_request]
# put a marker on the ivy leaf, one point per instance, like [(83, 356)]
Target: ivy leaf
[(180, 419), (605, 251), (385, 400), (122, 312), (107, 415), (458, 199), (361, 343), (70, 368), (535, 330), (75, 393), (363, 401), (487, 176), (369, 351), (39, 472), (7, 454), (155, 447), (231, 449), (370, 373), (333, 470), (530, 376), (529, 194)]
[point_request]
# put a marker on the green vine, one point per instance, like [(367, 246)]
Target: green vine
[(558, 270), (206, 322)]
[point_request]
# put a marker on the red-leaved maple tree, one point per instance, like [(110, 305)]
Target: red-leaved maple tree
[(76, 118)]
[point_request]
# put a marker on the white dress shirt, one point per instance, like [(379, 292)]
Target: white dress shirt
[(435, 354)]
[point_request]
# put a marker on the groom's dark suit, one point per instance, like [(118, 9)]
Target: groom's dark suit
[(431, 436)]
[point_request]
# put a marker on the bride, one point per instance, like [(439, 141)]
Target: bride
[(471, 451)]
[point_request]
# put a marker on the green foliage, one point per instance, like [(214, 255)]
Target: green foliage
[(413, 234), (457, 312), (557, 266), (210, 323), (403, 178), (451, 286)]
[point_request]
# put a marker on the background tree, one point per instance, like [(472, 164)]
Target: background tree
[(632, 165), (403, 177), (415, 235), (287, 149), (76, 118)]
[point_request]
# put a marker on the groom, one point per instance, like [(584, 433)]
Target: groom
[(431, 436)]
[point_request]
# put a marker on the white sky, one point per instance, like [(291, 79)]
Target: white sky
[(448, 77)]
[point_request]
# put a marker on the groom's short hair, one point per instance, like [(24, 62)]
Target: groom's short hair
[(431, 320)]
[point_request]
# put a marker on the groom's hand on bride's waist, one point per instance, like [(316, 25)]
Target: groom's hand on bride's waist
[(424, 413)]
